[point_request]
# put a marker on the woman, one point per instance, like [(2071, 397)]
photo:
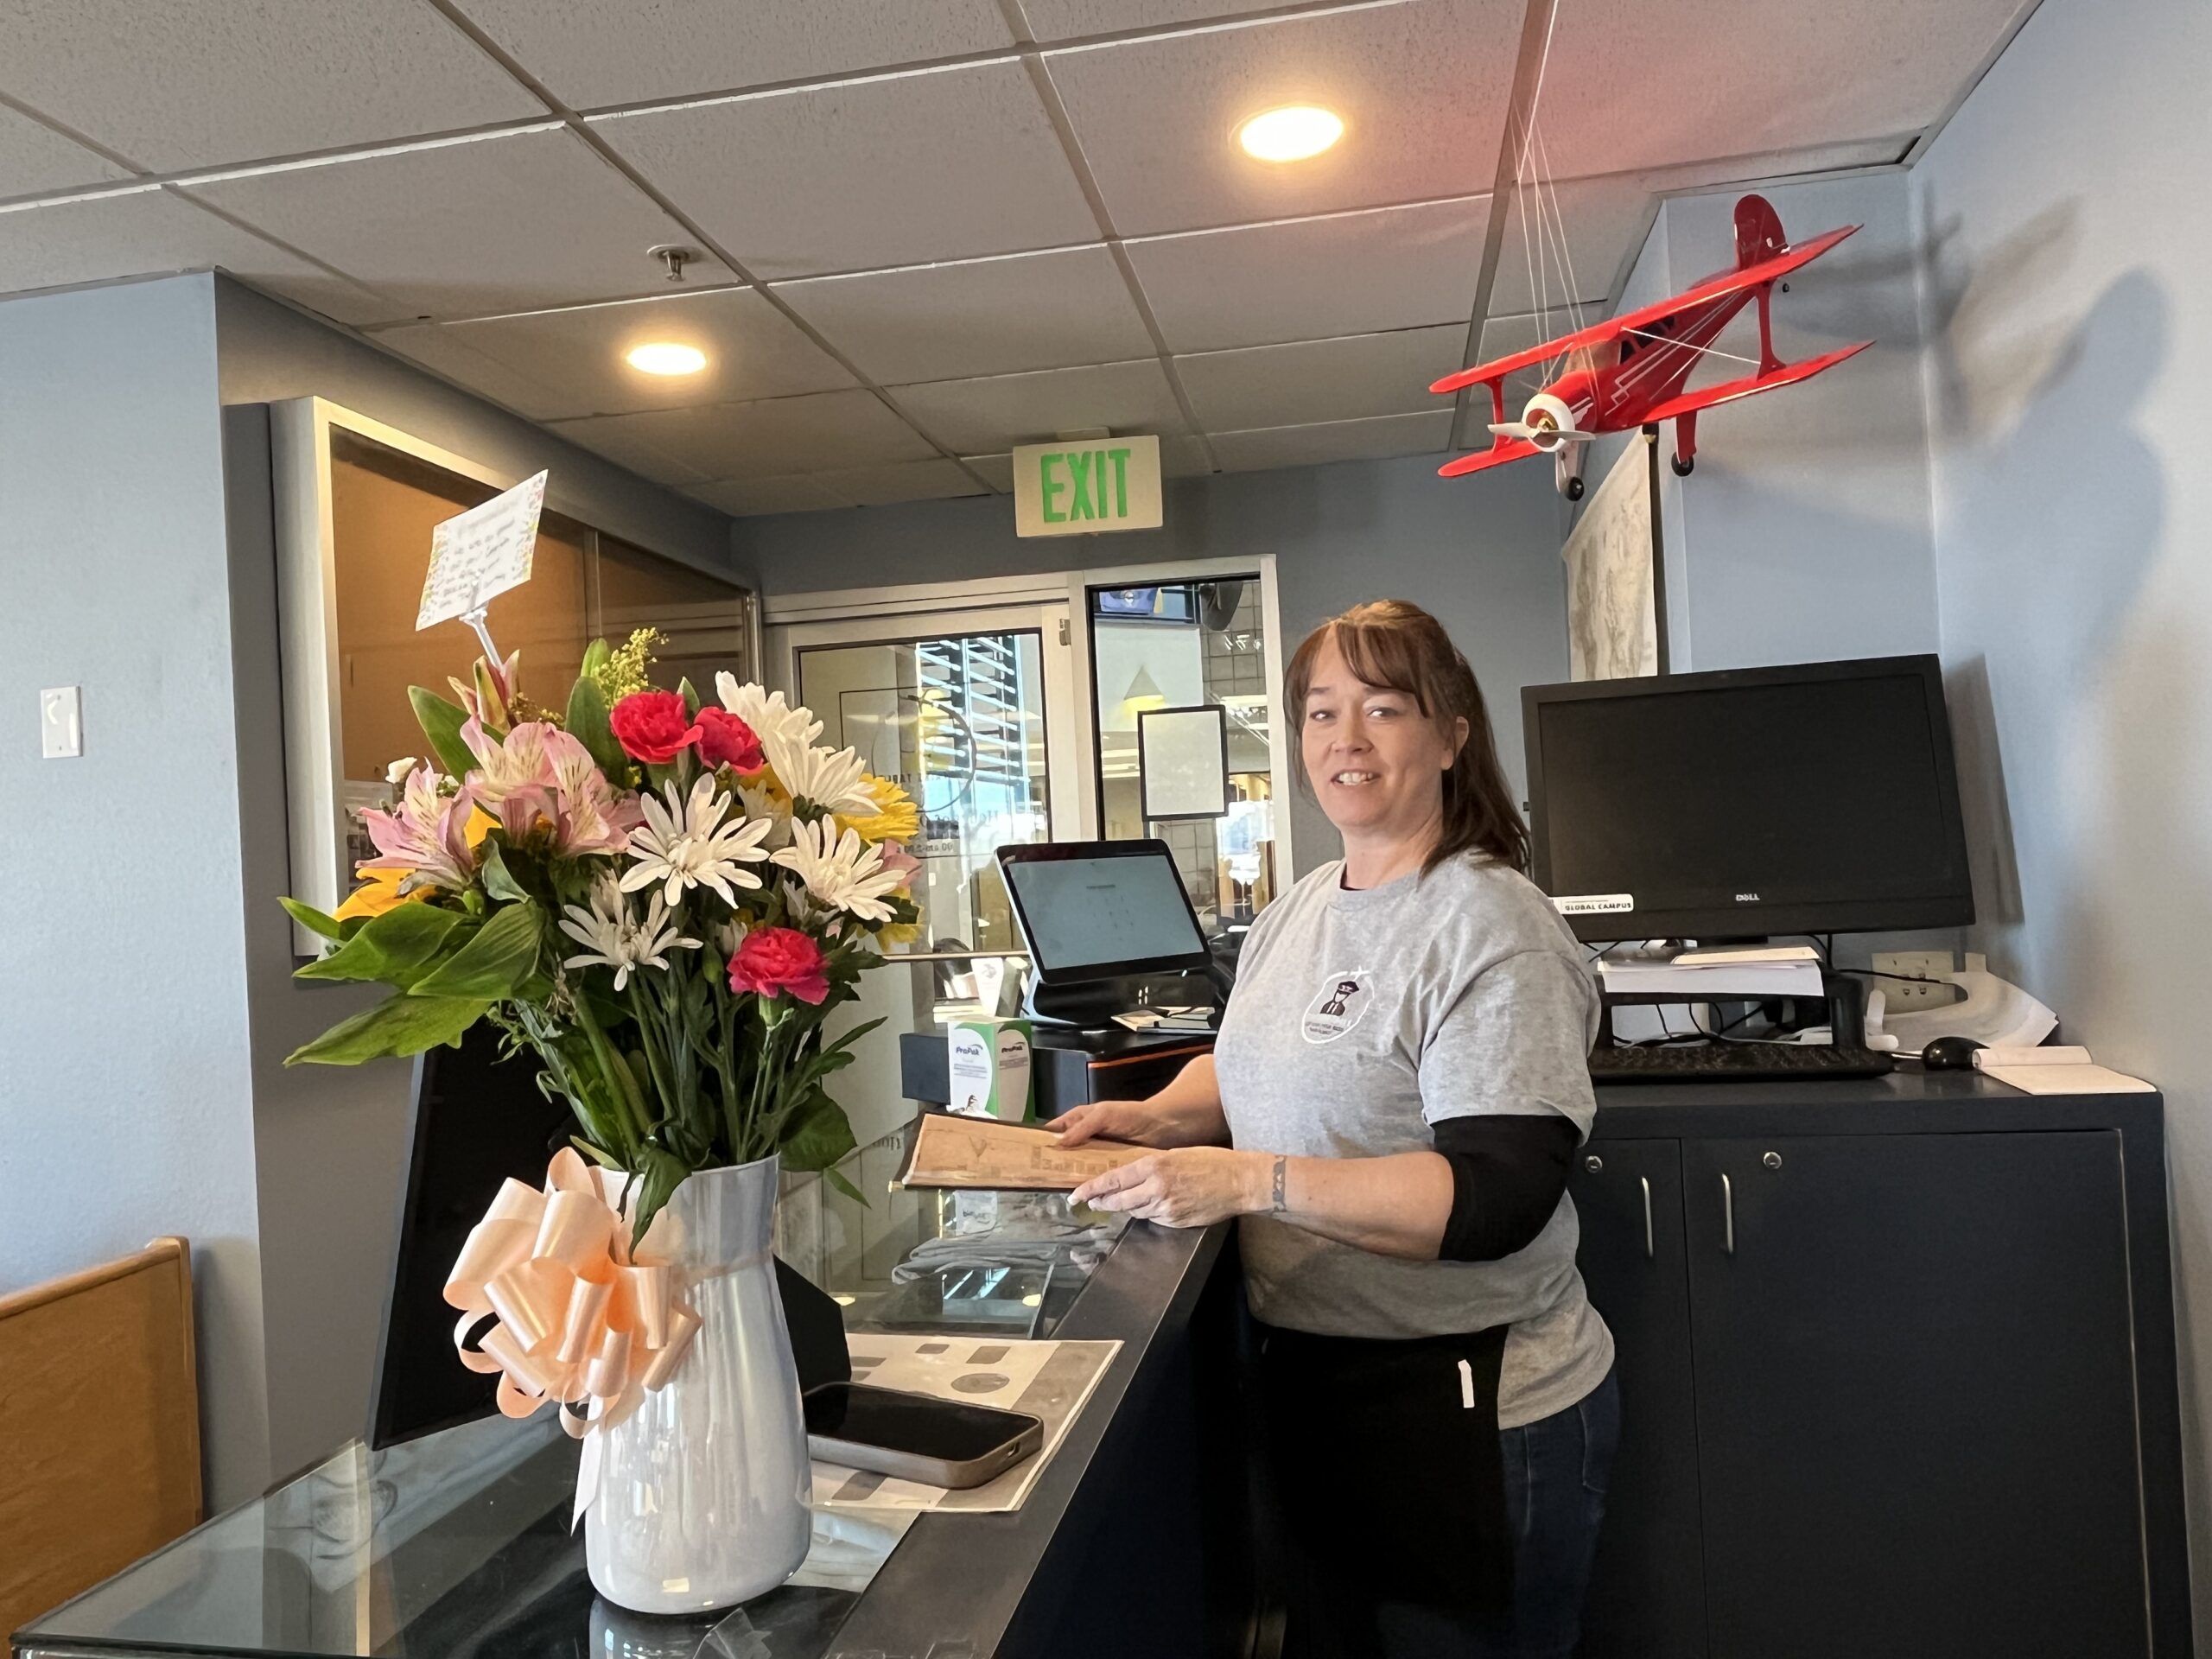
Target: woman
[(1401, 1079)]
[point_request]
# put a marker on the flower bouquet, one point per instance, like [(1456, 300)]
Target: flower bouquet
[(661, 900)]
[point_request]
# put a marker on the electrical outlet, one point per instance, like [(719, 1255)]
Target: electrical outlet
[(1914, 979)]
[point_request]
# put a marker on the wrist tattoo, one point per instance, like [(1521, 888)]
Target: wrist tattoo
[(1279, 1200)]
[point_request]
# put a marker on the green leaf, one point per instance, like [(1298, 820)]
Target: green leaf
[(837, 1179), (498, 881), (595, 656), (817, 1135), (586, 722), (441, 722), (399, 1024), (313, 920), (690, 693), (662, 1172), (496, 962), (396, 949), (605, 1160)]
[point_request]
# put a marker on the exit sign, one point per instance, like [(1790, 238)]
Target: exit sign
[(1075, 489)]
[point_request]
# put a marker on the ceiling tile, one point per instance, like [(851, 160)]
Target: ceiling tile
[(817, 433), (1783, 76), (987, 316), (576, 356), (797, 493), (150, 231), (996, 470), (34, 158), (594, 55), (1314, 446), (626, 443), (1605, 218), (1321, 379), (905, 481), (1313, 279), (899, 170), (502, 225), (989, 415), (1060, 20), (1421, 87), (177, 86)]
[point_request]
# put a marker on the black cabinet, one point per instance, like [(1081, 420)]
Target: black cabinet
[(1905, 1393), (1647, 1592)]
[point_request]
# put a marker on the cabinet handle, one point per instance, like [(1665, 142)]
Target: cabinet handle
[(1648, 1251), (1728, 1215)]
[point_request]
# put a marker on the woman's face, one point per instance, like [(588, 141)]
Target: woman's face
[(1376, 761)]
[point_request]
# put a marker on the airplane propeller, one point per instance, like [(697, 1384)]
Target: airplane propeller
[(1542, 434)]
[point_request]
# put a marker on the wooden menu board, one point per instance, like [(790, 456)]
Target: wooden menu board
[(983, 1154)]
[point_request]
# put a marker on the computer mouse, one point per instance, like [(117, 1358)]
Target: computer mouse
[(1949, 1054)]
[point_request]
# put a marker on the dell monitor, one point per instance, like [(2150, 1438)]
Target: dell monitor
[(1820, 797)]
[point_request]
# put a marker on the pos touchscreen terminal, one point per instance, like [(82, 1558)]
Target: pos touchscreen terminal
[(1107, 925)]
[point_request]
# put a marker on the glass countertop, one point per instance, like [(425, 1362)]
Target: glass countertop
[(459, 1542)]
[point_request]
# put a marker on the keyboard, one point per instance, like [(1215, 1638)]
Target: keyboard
[(1734, 1063)]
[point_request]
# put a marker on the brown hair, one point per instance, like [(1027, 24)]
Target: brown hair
[(1394, 643)]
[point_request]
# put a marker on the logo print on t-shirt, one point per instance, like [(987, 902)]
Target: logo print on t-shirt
[(1343, 1000)]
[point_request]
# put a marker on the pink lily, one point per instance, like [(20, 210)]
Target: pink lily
[(428, 836)]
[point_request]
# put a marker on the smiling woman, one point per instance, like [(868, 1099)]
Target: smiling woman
[(1401, 1077)]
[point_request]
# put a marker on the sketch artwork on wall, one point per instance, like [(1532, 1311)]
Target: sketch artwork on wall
[(1611, 613)]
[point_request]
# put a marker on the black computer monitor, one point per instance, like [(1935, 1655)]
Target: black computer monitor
[(1094, 910), (479, 1119), (1820, 797)]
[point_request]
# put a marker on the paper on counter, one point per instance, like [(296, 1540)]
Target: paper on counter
[(1050, 1379), (1693, 983), (2067, 1079)]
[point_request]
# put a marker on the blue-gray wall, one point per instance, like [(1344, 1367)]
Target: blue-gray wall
[(1481, 553), (125, 1076), (2070, 350)]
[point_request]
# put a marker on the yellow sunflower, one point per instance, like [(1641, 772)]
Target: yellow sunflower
[(379, 889)]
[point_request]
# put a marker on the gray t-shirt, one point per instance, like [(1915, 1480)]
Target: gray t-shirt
[(1361, 1018)]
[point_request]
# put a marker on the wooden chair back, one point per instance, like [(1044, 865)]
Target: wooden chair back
[(99, 1426)]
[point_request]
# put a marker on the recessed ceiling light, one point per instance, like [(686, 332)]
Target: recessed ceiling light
[(1290, 134), (666, 357)]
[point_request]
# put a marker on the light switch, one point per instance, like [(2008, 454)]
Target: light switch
[(62, 721)]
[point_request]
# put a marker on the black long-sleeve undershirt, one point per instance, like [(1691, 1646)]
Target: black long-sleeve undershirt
[(1507, 1174)]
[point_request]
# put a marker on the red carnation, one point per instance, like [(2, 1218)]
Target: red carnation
[(652, 727), (726, 740), (772, 960)]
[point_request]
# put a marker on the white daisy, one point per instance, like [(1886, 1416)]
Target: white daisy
[(842, 871), (619, 940), (828, 778), (686, 844), (765, 712), (763, 803)]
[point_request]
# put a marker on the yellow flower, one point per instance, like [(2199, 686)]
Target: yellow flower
[(895, 818), (898, 933), (379, 892), (379, 889)]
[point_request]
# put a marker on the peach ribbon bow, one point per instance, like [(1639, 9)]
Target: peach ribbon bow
[(579, 1322)]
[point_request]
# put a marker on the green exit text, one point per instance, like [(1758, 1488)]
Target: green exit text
[(1083, 478)]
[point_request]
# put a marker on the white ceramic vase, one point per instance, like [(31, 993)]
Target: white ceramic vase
[(702, 1499)]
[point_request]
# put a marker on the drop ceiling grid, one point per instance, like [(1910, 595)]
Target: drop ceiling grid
[(1297, 258)]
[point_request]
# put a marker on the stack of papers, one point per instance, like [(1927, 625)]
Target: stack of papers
[(1695, 975)]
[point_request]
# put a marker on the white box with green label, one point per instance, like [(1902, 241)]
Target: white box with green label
[(988, 1061)]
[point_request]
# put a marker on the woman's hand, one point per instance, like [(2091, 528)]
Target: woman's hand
[(1189, 1187), (1140, 1122)]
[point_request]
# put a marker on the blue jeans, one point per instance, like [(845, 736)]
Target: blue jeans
[(1556, 1472)]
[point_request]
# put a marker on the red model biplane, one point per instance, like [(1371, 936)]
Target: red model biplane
[(1628, 372)]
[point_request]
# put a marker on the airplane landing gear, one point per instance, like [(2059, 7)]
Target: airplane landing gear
[(1682, 468), (1574, 490)]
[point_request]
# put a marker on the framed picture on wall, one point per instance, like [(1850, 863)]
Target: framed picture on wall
[(1182, 761), (1613, 600)]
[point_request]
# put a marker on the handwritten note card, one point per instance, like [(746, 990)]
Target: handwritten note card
[(481, 553)]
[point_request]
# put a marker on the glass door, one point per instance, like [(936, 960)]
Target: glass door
[(972, 712)]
